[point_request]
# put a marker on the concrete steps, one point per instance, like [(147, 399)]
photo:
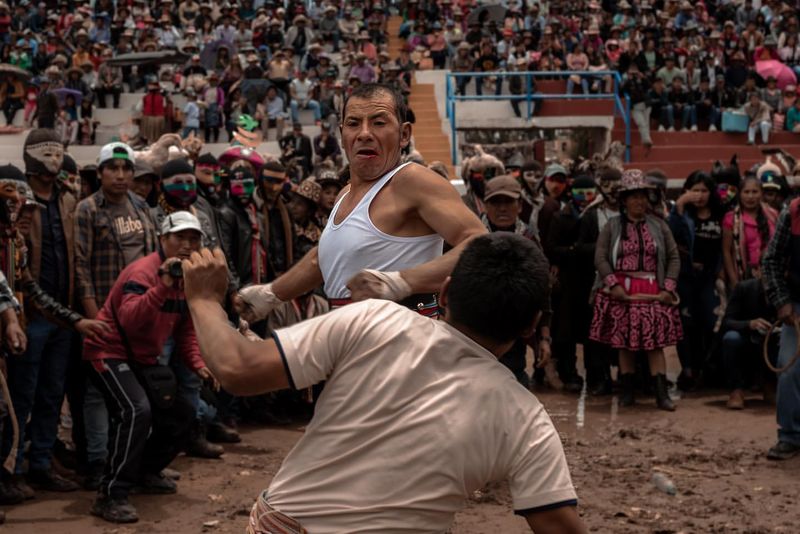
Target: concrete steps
[(87, 155), (429, 139), (112, 120), (694, 152), (679, 154), (395, 43), (576, 107)]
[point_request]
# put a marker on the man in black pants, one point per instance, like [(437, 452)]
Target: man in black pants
[(146, 307)]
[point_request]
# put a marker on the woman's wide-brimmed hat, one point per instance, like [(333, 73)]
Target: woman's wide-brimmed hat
[(633, 180)]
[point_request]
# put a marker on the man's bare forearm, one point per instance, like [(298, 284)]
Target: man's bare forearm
[(428, 277), (305, 276), (243, 367), (215, 336)]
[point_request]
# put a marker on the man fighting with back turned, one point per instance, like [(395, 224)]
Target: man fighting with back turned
[(416, 414)]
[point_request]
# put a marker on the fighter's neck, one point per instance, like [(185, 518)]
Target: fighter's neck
[(497, 349), (358, 183)]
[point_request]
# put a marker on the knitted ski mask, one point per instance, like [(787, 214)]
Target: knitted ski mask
[(43, 152), (242, 183), (583, 191), (179, 184), (206, 169), (10, 200)]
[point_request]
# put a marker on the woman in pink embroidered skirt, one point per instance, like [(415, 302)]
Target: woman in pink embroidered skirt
[(635, 307)]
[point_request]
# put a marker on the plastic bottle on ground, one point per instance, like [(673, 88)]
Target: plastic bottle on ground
[(664, 483)]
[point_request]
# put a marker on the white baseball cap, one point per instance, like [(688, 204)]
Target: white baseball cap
[(116, 150), (179, 221)]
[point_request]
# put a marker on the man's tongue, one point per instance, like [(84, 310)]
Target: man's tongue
[(367, 153)]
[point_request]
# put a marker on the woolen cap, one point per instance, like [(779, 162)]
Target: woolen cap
[(175, 167)]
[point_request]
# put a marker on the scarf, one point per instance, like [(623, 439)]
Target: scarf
[(739, 245), (742, 258), (258, 254), (520, 228)]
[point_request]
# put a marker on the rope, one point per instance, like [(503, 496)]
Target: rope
[(11, 462), (765, 351)]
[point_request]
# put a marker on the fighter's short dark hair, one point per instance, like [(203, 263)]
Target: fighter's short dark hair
[(498, 286), (371, 90)]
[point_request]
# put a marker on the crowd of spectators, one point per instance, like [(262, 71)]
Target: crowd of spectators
[(252, 67)]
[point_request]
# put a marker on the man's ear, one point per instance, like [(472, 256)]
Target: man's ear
[(443, 293), (405, 134), (530, 330)]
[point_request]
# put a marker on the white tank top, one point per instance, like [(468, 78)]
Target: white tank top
[(355, 244)]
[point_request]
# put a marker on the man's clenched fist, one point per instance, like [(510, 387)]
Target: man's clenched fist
[(205, 276)]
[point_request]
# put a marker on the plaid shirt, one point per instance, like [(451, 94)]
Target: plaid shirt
[(7, 298), (99, 258), (775, 261)]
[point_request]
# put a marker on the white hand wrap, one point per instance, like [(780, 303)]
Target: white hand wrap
[(393, 285), (261, 300)]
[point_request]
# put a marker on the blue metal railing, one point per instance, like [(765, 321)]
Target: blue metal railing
[(623, 109)]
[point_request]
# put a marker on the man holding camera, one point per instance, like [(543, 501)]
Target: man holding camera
[(149, 421)]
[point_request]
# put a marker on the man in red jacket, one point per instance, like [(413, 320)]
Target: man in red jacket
[(149, 422)]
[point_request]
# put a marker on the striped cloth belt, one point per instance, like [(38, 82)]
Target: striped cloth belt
[(264, 519)]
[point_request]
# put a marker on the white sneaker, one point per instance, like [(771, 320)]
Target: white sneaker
[(684, 129), (712, 128), (671, 129), (694, 128), (661, 128)]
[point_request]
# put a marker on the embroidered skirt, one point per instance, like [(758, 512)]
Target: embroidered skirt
[(635, 324)]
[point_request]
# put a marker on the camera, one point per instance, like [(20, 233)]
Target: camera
[(176, 269)]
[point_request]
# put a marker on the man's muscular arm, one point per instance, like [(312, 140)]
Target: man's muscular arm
[(243, 367), (438, 204), (300, 279), (255, 302)]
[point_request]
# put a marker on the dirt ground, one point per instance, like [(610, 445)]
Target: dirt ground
[(714, 457)]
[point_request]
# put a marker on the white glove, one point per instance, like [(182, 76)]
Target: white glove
[(244, 329), (258, 302), (383, 285)]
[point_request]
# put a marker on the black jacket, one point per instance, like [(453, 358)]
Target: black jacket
[(236, 235), (683, 97), (637, 89), (300, 147), (560, 250), (748, 301)]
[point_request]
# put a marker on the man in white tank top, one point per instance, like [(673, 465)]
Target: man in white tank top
[(384, 237), (415, 415)]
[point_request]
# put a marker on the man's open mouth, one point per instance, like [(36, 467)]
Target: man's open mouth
[(366, 152)]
